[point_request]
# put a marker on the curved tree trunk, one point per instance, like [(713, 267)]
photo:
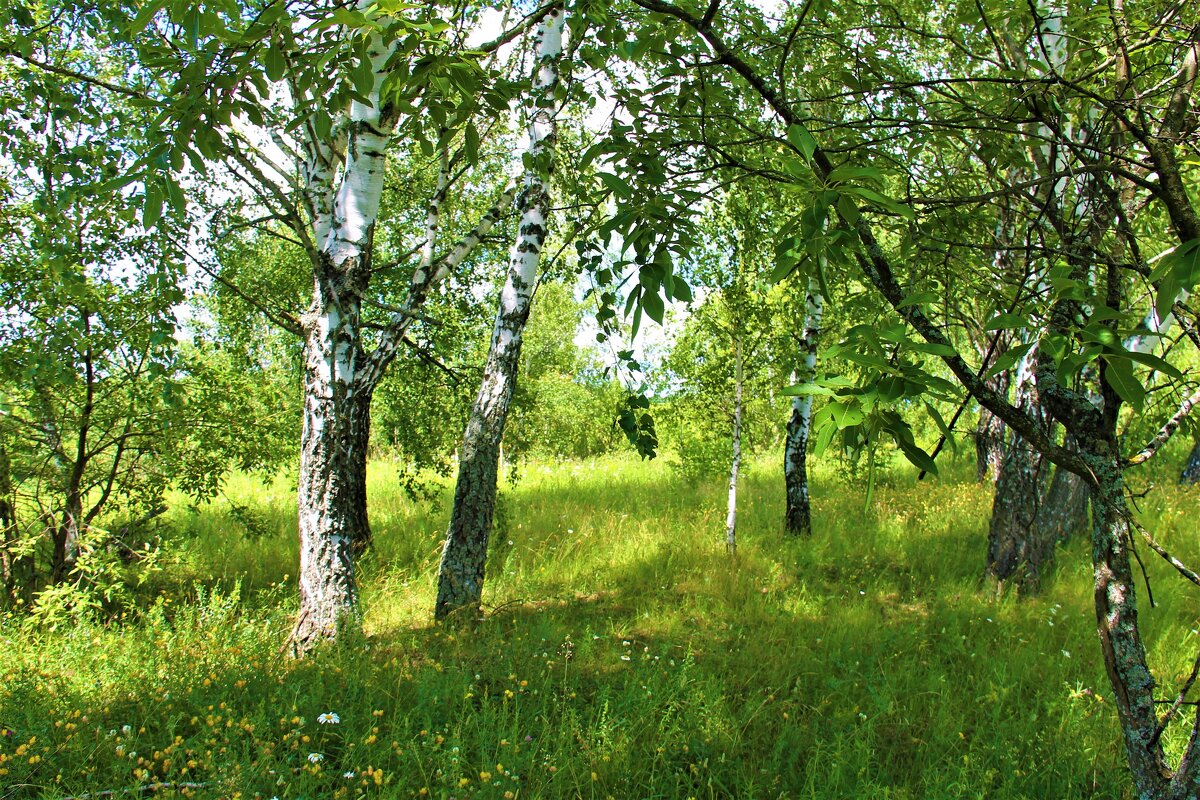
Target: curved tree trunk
[(65, 537), (464, 557), (797, 517), (1121, 644)]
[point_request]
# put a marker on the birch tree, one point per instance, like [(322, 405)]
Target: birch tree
[(464, 557), (1146, 118), (249, 98), (798, 506)]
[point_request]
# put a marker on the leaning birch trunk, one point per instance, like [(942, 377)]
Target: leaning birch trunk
[(464, 557), (735, 464), (798, 513)]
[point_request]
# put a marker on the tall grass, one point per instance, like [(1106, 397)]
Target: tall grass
[(625, 655)]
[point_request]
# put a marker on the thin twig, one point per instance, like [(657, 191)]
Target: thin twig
[(1162, 551), (1179, 701), (1145, 575)]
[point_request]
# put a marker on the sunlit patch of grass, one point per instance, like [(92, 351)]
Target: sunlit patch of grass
[(624, 655)]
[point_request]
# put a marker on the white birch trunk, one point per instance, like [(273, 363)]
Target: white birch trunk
[(331, 496), (464, 557), (798, 513), (735, 463)]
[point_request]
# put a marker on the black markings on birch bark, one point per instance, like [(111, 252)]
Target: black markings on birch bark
[(464, 557), (735, 462), (798, 510), (333, 457)]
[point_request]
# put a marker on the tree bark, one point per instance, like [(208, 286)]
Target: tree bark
[(332, 495), (989, 435), (464, 556), (1063, 512), (1120, 640), (797, 518), (16, 565), (65, 537), (1014, 551), (735, 463)]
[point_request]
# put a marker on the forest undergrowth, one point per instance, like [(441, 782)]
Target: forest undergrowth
[(624, 654)]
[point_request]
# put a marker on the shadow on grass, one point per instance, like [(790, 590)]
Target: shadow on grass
[(629, 657)]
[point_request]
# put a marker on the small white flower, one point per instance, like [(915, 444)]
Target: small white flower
[(1066, 653), (626, 658), (315, 758), (348, 773), (126, 729), (329, 718)]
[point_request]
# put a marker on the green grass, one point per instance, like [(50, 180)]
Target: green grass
[(626, 655)]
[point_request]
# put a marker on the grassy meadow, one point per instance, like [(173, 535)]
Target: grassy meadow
[(624, 656)]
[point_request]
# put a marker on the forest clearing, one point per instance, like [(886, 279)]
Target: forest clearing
[(624, 655), (414, 399)]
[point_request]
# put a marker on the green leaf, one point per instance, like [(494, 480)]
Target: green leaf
[(681, 291), (880, 200), (1008, 359), (802, 140), (363, 77), (618, 186), (144, 16), (152, 206), (653, 303), (590, 154), (1179, 271), (916, 455), (1006, 322), (917, 299), (1150, 360), (784, 267), (1119, 375), (938, 420), (848, 209), (274, 63), (471, 142), (846, 413)]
